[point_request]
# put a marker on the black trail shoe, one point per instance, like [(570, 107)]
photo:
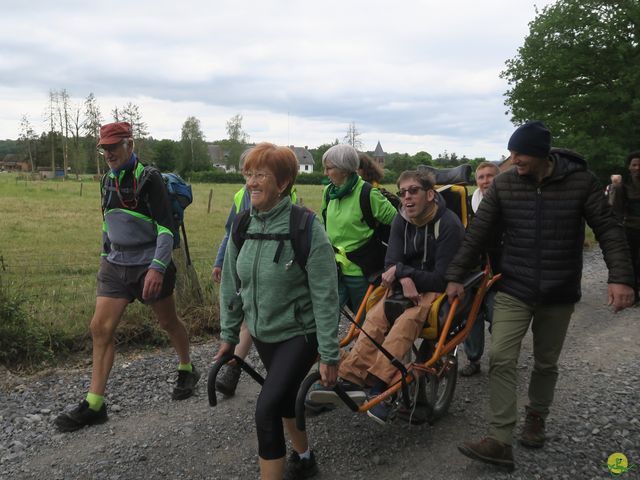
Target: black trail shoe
[(297, 467), (227, 382), (186, 384), (80, 416)]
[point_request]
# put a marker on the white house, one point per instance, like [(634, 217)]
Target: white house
[(305, 159)]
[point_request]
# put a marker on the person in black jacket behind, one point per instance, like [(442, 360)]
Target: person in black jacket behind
[(540, 205)]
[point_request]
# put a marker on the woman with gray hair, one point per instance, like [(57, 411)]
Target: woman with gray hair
[(353, 239)]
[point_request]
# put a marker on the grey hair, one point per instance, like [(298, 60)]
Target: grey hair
[(343, 157), (243, 156)]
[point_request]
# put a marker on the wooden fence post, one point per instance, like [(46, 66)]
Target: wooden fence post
[(210, 196)]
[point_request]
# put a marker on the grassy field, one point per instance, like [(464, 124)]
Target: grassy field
[(50, 245), (49, 255)]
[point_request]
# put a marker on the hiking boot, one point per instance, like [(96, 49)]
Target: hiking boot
[(186, 384), (297, 467), (470, 369), (326, 395), (227, 381), (532, 435), (80, 416), (489, 450)]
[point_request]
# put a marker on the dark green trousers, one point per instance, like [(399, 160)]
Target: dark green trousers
[(511, 320)]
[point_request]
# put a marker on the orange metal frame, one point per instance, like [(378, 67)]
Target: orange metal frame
[(443, 347)]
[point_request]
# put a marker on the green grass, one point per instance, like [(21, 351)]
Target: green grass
[(50, 245)]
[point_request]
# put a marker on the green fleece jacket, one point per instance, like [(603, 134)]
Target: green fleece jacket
[(278, 300), (346, 226)]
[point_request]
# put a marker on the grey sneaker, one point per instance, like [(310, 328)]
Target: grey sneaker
[(227, 380), (80, 416), (186, 384), (326, 395)]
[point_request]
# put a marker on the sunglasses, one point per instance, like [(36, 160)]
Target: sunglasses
[(411, 191)]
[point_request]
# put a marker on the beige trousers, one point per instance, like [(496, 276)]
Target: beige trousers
[(364, 358)]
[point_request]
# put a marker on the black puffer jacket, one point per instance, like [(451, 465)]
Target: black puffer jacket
[(543, 228)]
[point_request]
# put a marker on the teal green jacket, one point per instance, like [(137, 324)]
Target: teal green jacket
[(279, 301), (345, 224)]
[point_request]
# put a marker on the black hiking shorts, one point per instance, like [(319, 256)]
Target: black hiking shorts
[(119, 281)]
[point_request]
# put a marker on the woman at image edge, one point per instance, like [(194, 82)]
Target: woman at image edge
[(291, 314)]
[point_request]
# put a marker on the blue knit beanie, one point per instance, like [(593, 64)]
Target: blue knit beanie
[(532, 138)]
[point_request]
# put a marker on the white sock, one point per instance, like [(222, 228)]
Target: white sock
[(306, 454)]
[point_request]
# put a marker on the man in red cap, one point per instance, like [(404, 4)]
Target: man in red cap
[(540, 205), (136, 264)]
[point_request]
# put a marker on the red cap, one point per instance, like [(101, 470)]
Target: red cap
[(111, 133)]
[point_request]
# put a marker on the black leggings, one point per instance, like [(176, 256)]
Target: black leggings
[(287, 364)]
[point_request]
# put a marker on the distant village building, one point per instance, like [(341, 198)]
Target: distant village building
[(46, 172), (220, 159), (378, 154), (12, 163), (305, 159), (504, 164)]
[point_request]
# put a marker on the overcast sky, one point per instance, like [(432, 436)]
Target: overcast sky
[(415, 75)]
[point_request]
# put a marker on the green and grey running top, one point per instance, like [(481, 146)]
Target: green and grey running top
[(136, 229)]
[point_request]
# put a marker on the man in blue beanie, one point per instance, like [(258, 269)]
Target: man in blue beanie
[(540, 205)]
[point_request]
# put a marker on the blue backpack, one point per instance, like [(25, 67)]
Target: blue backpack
[(180, 197)]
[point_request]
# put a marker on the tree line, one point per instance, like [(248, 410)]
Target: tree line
[(69, 144)]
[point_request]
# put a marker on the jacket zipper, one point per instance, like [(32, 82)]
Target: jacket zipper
[(256, 260), (538, 240)]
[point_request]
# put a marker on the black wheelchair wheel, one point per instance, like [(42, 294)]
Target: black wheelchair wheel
[(439, 391)]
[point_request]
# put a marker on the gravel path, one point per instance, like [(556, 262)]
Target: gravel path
[(596, 413)]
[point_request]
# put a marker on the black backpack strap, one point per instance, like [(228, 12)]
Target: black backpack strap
[(365, 206), (324, 210), (103, 189), (239, 228), (300, 229)]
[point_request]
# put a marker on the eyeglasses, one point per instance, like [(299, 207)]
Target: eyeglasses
[(258, 176), (103, 149), (411, 190)]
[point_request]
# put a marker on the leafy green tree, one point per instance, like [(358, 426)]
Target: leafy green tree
[(422, 158), (235, 131), (166, 155), (194, 149), (579, 72), (236, 143), (317, 154), (27, 139), (91, 127)]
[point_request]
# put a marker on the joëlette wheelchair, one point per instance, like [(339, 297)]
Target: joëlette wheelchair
[(428, 377)]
